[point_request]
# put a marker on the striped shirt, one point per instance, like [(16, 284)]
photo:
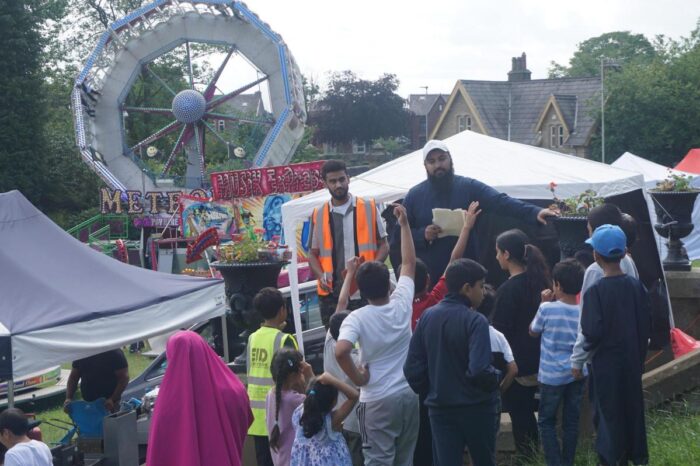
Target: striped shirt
[(558, 324)]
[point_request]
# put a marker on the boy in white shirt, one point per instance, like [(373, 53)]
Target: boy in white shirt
[(388, 409), (21, 450)]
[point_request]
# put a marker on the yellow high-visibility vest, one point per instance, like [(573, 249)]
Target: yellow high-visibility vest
[(262, 345)]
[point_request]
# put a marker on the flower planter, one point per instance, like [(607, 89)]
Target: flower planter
[(242, 281), (573, 233), (673, 215)]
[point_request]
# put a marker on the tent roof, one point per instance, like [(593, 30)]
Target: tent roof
[(519, 170), (691, 162), (651, 171), (53, 281)]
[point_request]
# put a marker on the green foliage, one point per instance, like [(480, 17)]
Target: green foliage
[(306, 151), (673, 182), (395, 146), (653, 109), (575, 206), (312, 91), (22, 140), (359, 109), (621, 45)]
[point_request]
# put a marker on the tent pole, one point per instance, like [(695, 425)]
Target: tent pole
[(11, 393), (224, 326), (224, 336)]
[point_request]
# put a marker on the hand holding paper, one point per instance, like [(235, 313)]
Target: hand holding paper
[(450, 221)]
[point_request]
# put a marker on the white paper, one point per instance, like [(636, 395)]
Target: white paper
[(451, 221)]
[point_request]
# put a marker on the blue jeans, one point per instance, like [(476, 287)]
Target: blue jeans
[(551, 397)]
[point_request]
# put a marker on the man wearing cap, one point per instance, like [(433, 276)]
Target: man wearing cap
[(444, 189), (616, 323)]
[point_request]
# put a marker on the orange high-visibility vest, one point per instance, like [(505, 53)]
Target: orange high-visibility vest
[(365, 222)]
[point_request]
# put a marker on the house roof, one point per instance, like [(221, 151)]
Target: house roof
[(245, 103), (576, 98), (421, 104)]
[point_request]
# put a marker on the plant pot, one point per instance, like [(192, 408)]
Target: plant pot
[(573, 233), (242, 281), (673, 214)]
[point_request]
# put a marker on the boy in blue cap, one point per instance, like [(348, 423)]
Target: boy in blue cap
[(615, 321)]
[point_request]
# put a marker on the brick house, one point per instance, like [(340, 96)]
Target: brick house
[(559, 114), (425, 110), (250, 105)]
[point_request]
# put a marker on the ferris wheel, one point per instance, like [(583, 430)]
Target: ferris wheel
[(128, 50)]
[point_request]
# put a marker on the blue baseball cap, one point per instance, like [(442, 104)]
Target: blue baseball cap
[(609, 241)]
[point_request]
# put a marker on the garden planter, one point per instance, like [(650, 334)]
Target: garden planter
[(242, 281), (573, 233), (673, 215)]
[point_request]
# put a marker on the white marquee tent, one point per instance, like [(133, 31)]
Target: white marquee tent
[(652, 173), (519, 170)]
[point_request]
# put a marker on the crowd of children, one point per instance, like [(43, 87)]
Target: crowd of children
[(426, 368)]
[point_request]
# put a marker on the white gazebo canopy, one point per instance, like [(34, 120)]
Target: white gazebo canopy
[(519, 170)]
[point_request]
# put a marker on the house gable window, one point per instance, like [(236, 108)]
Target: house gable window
[(556, 136), (464, 122)]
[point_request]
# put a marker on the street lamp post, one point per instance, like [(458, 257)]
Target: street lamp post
[(613, 63)]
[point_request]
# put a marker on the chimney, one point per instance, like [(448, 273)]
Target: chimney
[(519, 71)]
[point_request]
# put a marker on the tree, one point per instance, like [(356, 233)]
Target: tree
[(622, 46), (306, 152), (22, 142), (360, 110), (653, 109)]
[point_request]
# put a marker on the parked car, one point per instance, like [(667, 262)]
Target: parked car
[(313, 332)]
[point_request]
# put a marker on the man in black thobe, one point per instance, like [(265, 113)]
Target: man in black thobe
[(615, 321)]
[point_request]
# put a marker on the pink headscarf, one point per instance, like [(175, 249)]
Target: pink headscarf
[(202, 413)]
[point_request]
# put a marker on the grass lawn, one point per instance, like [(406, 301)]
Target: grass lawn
[(137, 364), (673, 438)]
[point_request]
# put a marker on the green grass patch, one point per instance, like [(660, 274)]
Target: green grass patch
[(673, 438)]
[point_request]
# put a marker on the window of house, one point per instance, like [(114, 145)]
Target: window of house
[(556, 136), (330, 148), (221, 125), (440, 108), (359, 147), (561, 135), (464, 122), (423, 125)]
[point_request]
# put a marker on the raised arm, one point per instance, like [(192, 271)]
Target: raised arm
[(470, 216), (344, 297), (408, 251), (345, 409)]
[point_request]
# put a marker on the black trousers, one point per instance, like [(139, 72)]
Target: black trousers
[(464, 426), (519, 401), (423, 454), (262, 450)]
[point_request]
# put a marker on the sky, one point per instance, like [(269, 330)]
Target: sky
[(434, 43)]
